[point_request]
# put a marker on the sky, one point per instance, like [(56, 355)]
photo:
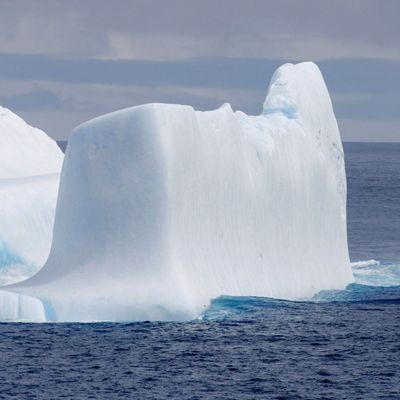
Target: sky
[(64, 62)]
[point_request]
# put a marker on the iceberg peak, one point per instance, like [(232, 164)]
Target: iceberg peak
[(25, 150)]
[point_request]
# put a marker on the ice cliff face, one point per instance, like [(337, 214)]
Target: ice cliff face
[(162, 208), (30, 163)]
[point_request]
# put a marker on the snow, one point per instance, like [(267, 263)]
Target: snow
[(162, 208), (30, 163), (24, 150)]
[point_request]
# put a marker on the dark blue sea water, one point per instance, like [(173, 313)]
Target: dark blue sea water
[(342, 345)]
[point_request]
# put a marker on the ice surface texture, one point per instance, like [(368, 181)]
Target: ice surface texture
[(30, 163), (25, 150), (162, 208)]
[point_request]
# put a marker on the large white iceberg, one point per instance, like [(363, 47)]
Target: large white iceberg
[(30, 163), (162, 208)]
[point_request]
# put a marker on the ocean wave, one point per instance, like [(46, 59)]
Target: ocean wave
[(376, 273), (375, 282)]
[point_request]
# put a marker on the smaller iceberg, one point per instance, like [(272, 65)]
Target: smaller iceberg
[(30, 164)]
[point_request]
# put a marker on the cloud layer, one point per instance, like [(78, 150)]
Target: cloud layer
[(64, 61)]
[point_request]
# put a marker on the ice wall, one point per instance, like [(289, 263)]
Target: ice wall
[(20, 308), (30, 163), (162, 208)]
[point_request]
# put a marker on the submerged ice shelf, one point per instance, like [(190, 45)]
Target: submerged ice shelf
[(30, 163), (162, 208)]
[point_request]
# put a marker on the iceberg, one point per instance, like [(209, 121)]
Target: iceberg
[(30, 164), (162, 208), (25, 150)]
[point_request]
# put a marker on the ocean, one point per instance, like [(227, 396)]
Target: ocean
[(338, 345)]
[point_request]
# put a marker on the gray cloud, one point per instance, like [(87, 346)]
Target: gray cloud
[(62, 62), (342, 75), (144, 29), (36, 99), (225, 72)]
